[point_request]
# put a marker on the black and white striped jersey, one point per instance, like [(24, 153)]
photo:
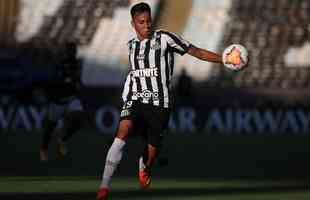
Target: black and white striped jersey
[(151, 63)]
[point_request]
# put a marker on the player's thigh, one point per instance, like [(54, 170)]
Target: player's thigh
[(131, 121), (55, 112), (157, 123), (75, 118)]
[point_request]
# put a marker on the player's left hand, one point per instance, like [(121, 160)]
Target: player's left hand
[(234, 57)]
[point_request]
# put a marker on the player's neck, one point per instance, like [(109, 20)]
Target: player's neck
[(141, 38)]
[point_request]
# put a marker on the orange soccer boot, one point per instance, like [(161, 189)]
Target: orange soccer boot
[(144, 178), (102, 194)]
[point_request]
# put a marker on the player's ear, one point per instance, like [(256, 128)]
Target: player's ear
[(132, 24)]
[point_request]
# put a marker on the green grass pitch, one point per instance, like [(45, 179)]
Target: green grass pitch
[(173, 189)]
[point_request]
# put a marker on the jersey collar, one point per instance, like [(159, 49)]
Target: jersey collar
[(136, 39)]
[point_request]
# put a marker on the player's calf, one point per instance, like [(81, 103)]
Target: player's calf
[(43, 155)]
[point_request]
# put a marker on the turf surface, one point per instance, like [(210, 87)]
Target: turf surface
[(33, 188)]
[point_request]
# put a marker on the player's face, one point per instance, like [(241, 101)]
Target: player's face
[(142, 23)]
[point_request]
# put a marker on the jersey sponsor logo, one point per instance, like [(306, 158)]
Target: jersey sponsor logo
[(126, 109), (147, 95), (125, 113), (140, 57), (149, 72), (127, 105), (155, 46)]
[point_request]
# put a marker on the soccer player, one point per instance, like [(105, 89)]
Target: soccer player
[(146, 94), (64, 104)]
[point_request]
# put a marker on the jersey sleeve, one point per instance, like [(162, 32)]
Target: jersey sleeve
[(126, 88), (176, 42)]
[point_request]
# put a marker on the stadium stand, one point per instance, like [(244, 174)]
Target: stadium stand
[(100, 27), (269, 29), (8, 15), (108, 47), (204, 28), (172, 16), (64, 20)]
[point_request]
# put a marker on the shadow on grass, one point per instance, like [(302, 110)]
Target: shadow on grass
[(157, 193)]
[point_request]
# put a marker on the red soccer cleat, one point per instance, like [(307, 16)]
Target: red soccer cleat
[(144, 179), (102, 194)]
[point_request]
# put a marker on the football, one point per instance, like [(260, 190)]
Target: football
[(243, 55)]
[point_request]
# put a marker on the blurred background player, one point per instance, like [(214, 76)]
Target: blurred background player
[(184, 89), (64, 103), (146, 94)]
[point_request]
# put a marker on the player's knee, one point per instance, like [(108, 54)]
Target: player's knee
[(122, 134), (75, 118), (124, 128), (155, 141), (49, 123)]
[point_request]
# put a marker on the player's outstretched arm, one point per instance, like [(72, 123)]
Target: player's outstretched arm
[(205, 55), (202, 54)]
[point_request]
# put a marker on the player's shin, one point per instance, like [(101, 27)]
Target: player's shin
[(143, 158), (48, 129), (151, 156), (113, 158)]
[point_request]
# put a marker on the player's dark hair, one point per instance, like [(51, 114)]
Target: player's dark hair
[(140, 8)]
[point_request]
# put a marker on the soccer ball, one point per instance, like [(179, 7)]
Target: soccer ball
[(243, 55)]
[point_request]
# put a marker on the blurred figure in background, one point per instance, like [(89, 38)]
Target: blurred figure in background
[(184, 89), (146, 94), (64, 103)]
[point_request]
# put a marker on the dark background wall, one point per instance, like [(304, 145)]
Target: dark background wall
[(195, 155), (213, 153)]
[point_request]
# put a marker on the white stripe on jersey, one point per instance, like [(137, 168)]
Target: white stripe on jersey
[(163, 73), (132, 58), (152, 65), (126, 87), (174, 43), (141, 66)]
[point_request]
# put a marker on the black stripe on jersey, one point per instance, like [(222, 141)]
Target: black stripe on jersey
[(172, 64), (171, 72), (136, 63), (177, 41), (129, 43), (177, 50), (130, 90), (167, 53), (146, 54), (130, 49), (169, 60), (147, 65), (130, 81), (158, 65)]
